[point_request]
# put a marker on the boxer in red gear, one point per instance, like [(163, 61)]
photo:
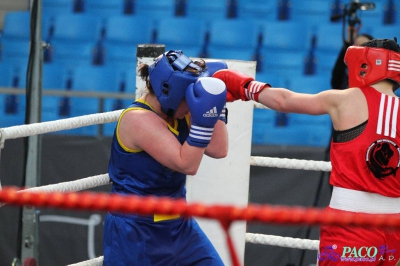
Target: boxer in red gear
[(365, 147)]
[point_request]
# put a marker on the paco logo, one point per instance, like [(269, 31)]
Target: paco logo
[(362, 252), (358, 254)]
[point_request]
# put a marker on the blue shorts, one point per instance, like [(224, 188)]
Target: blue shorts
[(138, 240)]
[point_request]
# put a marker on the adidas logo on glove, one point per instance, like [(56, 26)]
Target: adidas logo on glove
[(211, 113), (204, 99)]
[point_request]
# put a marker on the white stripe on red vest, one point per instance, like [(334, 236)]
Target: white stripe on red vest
[(387, 118)]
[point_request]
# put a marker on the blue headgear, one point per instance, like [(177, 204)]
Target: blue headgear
[(170, 81)]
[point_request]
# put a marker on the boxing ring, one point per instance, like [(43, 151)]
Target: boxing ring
[(66, 195), (229, 215)]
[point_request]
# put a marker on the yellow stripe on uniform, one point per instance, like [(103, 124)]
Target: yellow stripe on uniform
[(165, 217)]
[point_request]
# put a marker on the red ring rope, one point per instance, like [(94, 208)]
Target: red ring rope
[(148, 205), (224, 213)]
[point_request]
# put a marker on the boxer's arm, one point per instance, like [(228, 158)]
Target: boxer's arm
[(240, 86)]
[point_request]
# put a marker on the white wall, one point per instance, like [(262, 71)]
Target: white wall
[(226, 181)]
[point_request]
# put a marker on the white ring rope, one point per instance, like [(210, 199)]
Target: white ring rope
[(104, 179), (57, 125), (290, 163), (287, 242), (76, 185), (107, 117), (71, 186)]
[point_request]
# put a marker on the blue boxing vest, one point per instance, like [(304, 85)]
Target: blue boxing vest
[(152, 240), (136, 172)]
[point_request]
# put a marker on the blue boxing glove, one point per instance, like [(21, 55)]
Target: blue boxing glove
[(215, 65), (206, 99), (224, 115)]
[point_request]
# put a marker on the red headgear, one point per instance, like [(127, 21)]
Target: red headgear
[(368, 65)]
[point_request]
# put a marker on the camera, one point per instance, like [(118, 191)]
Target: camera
[(351, 9), (356, 5)]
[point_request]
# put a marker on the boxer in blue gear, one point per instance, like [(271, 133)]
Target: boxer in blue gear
[(158, 140)]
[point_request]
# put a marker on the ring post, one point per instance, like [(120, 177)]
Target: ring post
[(29, 229)]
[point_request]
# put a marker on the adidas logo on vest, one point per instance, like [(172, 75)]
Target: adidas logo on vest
[(212, 113)]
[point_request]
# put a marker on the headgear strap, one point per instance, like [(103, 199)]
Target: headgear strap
[(169, 78)]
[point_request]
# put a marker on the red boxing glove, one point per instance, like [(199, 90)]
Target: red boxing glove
[(239, 85)]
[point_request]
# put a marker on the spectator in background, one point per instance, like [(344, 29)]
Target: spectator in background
[(339, 79)]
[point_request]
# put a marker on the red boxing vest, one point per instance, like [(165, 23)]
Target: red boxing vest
[(370, 162)]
